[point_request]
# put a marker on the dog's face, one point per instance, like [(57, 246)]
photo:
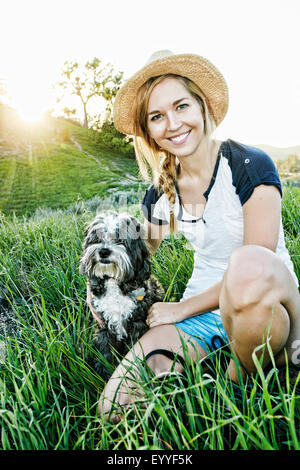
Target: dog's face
[(114, 247)]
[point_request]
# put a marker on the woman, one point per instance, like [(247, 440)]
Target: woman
[(225, 198)]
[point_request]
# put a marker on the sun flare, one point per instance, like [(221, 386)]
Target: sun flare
[(27, 99), (28, 108), (29, 114)]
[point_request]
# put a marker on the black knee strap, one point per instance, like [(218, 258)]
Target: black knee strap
[(168, 354)]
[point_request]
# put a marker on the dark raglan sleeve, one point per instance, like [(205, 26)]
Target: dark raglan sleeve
[(252, 167), (149, 202)]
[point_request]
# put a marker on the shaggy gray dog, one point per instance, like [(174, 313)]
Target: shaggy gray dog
[(116, 261)]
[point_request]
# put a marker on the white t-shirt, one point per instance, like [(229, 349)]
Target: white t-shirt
[(215, 235)]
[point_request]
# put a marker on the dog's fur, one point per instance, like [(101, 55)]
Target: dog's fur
[(116, 261)]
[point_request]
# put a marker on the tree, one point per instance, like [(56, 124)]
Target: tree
[(92, 80), (69, 112)]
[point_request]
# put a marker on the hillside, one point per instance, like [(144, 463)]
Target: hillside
[(277, 153), (55, 163)]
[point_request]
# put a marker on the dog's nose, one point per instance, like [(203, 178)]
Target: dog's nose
[(104, 252)]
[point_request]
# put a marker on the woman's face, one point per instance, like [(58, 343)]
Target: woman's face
[(175, 119)]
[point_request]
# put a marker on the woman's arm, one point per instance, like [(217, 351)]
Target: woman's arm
[(162, 313), (155, 234), (262, 213)]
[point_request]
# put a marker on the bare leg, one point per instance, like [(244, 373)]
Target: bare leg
[(163, 336), (259, 297)]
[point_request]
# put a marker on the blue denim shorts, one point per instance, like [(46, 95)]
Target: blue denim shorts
[(207, 329)]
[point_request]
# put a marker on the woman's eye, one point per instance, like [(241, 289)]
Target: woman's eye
[(182, 106), (156, 117)]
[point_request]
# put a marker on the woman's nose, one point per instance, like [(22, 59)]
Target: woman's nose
[(173, 122)]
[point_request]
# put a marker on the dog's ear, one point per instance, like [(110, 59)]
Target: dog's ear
[(82, 268), (87, 260), (135, 229), (95, 231), (98, 220), (143, 261), (90, 239), (144, 273)]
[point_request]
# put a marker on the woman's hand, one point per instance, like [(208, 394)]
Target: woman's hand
[(162, 313)]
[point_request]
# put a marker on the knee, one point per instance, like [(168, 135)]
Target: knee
[(250, 277)]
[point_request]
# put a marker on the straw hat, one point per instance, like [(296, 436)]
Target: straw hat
[(196, 68)]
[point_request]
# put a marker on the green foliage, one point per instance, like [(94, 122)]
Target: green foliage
[(111, 138)]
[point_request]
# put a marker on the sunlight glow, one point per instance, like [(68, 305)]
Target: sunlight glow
[(28, 96), (29, 113)]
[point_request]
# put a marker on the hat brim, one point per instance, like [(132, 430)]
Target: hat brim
[(198, 69)]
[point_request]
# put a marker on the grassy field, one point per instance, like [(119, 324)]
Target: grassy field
[(48, 389), (53, 180)]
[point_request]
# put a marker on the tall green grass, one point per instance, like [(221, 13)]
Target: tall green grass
[(49, 391)]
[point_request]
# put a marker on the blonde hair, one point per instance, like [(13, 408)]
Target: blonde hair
[(149, 155)]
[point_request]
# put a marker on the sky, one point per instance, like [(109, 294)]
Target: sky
[(254, 43)]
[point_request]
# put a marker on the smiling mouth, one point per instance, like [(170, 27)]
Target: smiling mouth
[(179, 139)]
